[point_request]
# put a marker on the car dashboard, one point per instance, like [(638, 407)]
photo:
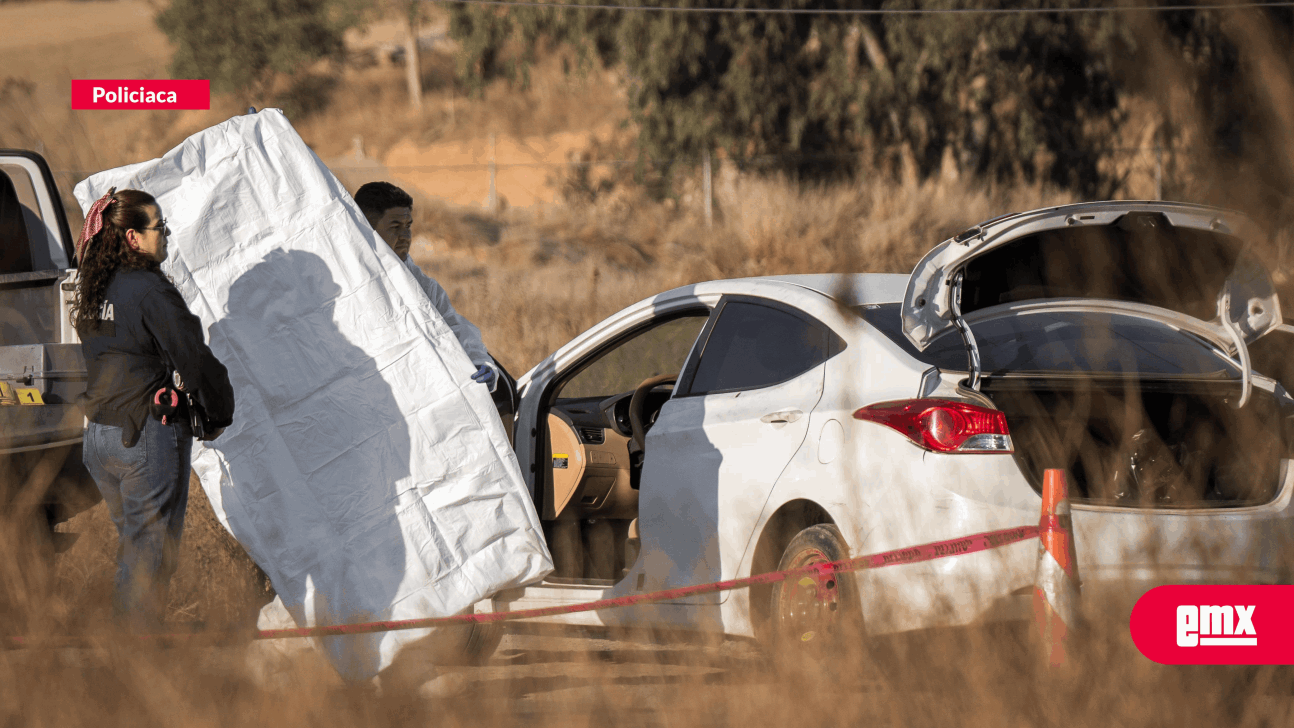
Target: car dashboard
[(594, 472)]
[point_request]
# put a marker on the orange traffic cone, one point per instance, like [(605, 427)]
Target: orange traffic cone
[(1056, 585)]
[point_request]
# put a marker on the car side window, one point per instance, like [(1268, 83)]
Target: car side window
[(31, 244), (754, 346), (15, 257), (659, 350)]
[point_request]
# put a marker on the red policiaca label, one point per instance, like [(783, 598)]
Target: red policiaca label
[(1216, 624), (132, 95)]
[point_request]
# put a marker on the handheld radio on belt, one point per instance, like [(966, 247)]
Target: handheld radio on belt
[(166, 402), (166, 406)]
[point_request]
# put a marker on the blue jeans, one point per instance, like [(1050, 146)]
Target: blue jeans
[(146, 488)]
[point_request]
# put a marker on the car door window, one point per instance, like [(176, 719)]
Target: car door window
[(31, 244), (659, 350), (15, 257), (755, 346)]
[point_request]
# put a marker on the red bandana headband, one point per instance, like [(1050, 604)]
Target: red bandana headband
[(93, 222)]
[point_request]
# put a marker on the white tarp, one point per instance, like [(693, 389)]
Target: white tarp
[(365, 471)]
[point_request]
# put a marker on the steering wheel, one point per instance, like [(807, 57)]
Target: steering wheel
[(638, 402)]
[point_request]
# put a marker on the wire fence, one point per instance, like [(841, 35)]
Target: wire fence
[(1155, 153), (876, 11), (1145, 165)]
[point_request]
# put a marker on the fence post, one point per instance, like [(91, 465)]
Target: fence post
[(1159, 172), (493, 202), (706, 188)]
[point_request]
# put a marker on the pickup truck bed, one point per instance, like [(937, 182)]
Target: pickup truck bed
[(41, 367)]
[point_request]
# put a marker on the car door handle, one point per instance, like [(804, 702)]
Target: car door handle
[(783, 417)]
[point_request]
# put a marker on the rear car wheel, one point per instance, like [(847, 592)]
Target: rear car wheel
[(464, 644), (482, 643), (814, 618), (421, 661)]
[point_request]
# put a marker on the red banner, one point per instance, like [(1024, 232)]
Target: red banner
[(127, 94), (1216, 624)]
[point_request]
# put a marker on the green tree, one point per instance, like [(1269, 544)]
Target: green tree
[(241, 45), (1235, 72), (1005, 96), (501, 42), (777, 90), (1031, 96)]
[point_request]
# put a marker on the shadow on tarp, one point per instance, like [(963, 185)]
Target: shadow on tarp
[(316, 427)]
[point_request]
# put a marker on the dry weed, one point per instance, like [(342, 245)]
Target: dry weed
[(532, 279)]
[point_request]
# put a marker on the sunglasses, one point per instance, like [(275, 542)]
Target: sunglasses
[(161, 225)]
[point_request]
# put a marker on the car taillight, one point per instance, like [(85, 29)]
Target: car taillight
[(942, 425)]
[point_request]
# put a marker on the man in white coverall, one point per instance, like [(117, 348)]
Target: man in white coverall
[(389, 210)]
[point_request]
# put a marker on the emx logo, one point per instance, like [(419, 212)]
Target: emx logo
[(1215, 625)]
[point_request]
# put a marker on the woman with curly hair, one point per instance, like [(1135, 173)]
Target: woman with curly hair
[(147, 361)]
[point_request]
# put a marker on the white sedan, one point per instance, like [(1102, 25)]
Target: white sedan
[(736, 427)]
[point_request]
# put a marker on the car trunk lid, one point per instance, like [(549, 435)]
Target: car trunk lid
[(1183, 260)]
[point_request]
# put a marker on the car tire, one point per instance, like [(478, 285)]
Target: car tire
[(425, 660), (815, 624), (464, 645), (482, 643)]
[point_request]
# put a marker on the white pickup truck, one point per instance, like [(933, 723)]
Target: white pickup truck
[(42, 480)]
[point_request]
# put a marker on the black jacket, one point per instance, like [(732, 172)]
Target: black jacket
[(144, 330)]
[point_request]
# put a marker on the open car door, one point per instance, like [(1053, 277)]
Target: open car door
[(505, 398)]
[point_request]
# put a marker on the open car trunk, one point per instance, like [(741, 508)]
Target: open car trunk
[(1186, 259), (1114, 336), (1143, 443)]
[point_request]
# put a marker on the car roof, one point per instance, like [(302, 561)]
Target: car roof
[(851, 289)]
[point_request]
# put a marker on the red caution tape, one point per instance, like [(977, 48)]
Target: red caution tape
[(914, 554)]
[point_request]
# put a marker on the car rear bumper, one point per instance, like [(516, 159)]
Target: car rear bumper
[(1122, 552)]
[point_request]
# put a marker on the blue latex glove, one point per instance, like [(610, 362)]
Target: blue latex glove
[(485, 375)]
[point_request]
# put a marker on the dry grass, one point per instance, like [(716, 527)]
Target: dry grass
[(987, 678), (532, 279), (216, 584), (373, 101)]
